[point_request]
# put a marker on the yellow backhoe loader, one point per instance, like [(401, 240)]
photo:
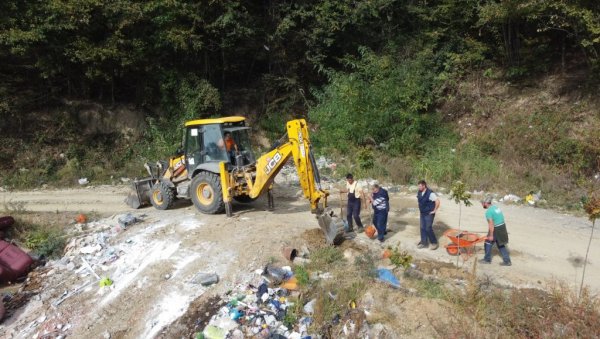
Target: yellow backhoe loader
[(217, 165)]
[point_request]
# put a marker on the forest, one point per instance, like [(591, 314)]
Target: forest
[(388, 79)]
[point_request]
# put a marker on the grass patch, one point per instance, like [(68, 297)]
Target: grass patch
[(324, 257), (365, 265), (47, 240), (430, 289), (294, 313), (302, 275), (530, 313), (334, 299)]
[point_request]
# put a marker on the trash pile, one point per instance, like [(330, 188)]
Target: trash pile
[(323, 163), (87, 258), (270, 305), (258, 310), (94, 249)]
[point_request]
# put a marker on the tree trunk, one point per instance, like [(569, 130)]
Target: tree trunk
[(562, 53), (586, 257), (223, 69)]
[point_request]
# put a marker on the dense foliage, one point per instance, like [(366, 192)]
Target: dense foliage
[(141, 51), (372, 74)]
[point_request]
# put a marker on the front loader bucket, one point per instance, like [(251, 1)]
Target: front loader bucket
[(332, 226), (140, 193)]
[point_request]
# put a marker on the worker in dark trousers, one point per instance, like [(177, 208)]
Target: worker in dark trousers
[(380, 200), (355, 193), (429, 203), (497, 233)]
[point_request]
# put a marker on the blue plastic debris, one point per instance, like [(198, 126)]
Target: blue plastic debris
[(386, 276)]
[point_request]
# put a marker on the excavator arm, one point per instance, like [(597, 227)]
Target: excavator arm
[(298, 147)]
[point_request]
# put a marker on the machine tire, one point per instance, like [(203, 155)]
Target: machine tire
[(162, 196), (244, 199), (206, 193)]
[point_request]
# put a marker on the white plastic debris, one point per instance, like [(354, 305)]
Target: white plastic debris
[(90, 249)]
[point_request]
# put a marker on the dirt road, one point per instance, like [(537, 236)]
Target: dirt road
[(546, 246), (157, 258)]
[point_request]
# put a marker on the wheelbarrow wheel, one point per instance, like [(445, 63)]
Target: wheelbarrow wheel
[(452, 249)]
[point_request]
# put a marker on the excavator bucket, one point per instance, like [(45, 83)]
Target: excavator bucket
[(332, 226), (140, 193)]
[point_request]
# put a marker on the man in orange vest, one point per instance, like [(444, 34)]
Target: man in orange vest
[(230, 146)]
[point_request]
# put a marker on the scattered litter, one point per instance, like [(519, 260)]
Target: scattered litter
[(386, 276), (128, 219), (291, 284), (89, 267), (277, 274), (83, 181), (533, 198), (105, 282), (320, 275), (81, 218), (289, 253), (90, 249), (510, 198)]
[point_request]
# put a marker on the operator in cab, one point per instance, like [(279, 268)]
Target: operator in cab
[(229, 145)]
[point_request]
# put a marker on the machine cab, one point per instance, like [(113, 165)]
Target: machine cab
[(211, 141)]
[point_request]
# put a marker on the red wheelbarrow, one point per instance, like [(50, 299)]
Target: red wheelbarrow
[(462, 242)]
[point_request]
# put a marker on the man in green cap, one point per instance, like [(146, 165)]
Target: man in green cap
[(497, 232)]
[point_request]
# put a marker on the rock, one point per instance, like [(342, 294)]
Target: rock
[(309, 307), (378, 331), (394, 189), (304, 252), (301, 261), (106, 335), (205, 279), (350, 254), (367, 301)]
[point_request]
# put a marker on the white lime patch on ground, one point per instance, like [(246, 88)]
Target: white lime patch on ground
[(135, 263), (168, 309), (190, 223), (183, 261)]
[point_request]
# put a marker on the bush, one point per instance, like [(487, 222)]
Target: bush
[(45, 243), (446, 161), (384, 102)]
